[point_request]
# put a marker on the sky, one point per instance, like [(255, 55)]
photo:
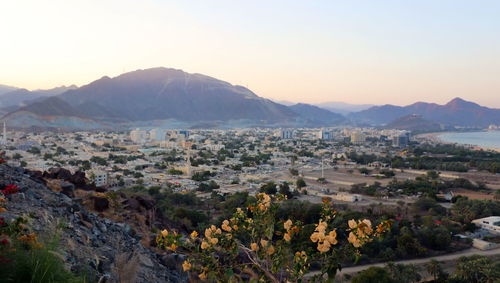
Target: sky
[(312, 51)]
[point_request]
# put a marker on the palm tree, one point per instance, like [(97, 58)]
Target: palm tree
[(434, 268)]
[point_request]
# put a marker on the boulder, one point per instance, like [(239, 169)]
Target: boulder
[(132, 204), (78, 179), (68, 189), (100, 203), (145, 202)]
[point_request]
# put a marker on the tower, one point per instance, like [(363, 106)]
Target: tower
[(4, 136)]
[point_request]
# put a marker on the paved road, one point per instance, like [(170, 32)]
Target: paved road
[(447, 257)]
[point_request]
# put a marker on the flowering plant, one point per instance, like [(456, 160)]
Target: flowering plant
[(254, 246)]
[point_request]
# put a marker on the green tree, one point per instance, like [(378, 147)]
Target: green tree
[(433, 267), (373, 274), (300, 183)]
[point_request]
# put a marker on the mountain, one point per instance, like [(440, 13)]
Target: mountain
[(6, 89), (20, 97), (316, 115), (457, 112), (51, 112), (161, 94), (342, 107), (414, 123)]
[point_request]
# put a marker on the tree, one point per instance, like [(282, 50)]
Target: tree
[(497, 195), (405, 273), (300, 183), (373, 274), (17, 156), (433, 267), (257, 246), (269, 188), (477, 269), (294, 171)]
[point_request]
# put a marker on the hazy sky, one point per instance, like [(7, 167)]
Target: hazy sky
[(371, 51)]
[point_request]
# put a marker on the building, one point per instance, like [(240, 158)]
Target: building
[(326, 135), (157, 135), (358, 138), (138, 136), (286, 134), (490, 224), (3, 140), (100, 178), (401, 140), (347, 197)]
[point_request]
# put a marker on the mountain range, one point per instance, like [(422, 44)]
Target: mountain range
[(164, 97), (457, 112), (161, 94)]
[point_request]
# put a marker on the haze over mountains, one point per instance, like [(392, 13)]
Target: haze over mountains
[(173, 98)]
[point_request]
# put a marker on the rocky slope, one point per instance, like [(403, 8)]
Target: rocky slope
[(89, 242)]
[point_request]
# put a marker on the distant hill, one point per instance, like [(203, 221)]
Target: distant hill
[(20, 97), (415, 123), (316, 115), (6, 89), (51, 112), (457, 112), (342, 107)]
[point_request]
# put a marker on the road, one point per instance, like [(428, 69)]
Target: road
[(442, 258)]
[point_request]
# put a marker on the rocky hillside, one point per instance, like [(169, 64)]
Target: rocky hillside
[(89, 241)]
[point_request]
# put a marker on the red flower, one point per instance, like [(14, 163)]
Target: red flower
[(10, 189), (2, 160), (2, 221), (4, 242)]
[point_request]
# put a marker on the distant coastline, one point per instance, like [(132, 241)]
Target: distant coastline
[(470, 139)]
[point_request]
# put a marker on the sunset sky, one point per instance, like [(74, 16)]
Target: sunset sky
[(369, 51)]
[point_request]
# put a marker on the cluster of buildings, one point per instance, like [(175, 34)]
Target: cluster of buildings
[(239, 160)]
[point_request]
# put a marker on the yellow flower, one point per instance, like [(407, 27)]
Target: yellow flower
[(225, 226), (316, 237), (202, 275), (352, 223), (173, 247), (218, 231), (288, 224), (367, 222), (235, 227), (186, 265), (321, 227), (194, 234), (214, 241), (164, 232), (204, 245), (263, 243), (287, 237), (208, 233), (270, 250), (254, 247), (354, 240), (332, 237), (324, 247)]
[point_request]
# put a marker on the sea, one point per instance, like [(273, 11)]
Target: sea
[(485, 139)]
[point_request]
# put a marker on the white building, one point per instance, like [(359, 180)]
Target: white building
[(138, 136), (347, 197), (490, 224), (99, 177), (157, 134)]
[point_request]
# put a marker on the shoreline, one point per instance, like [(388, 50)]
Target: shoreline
[(434, 137)]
